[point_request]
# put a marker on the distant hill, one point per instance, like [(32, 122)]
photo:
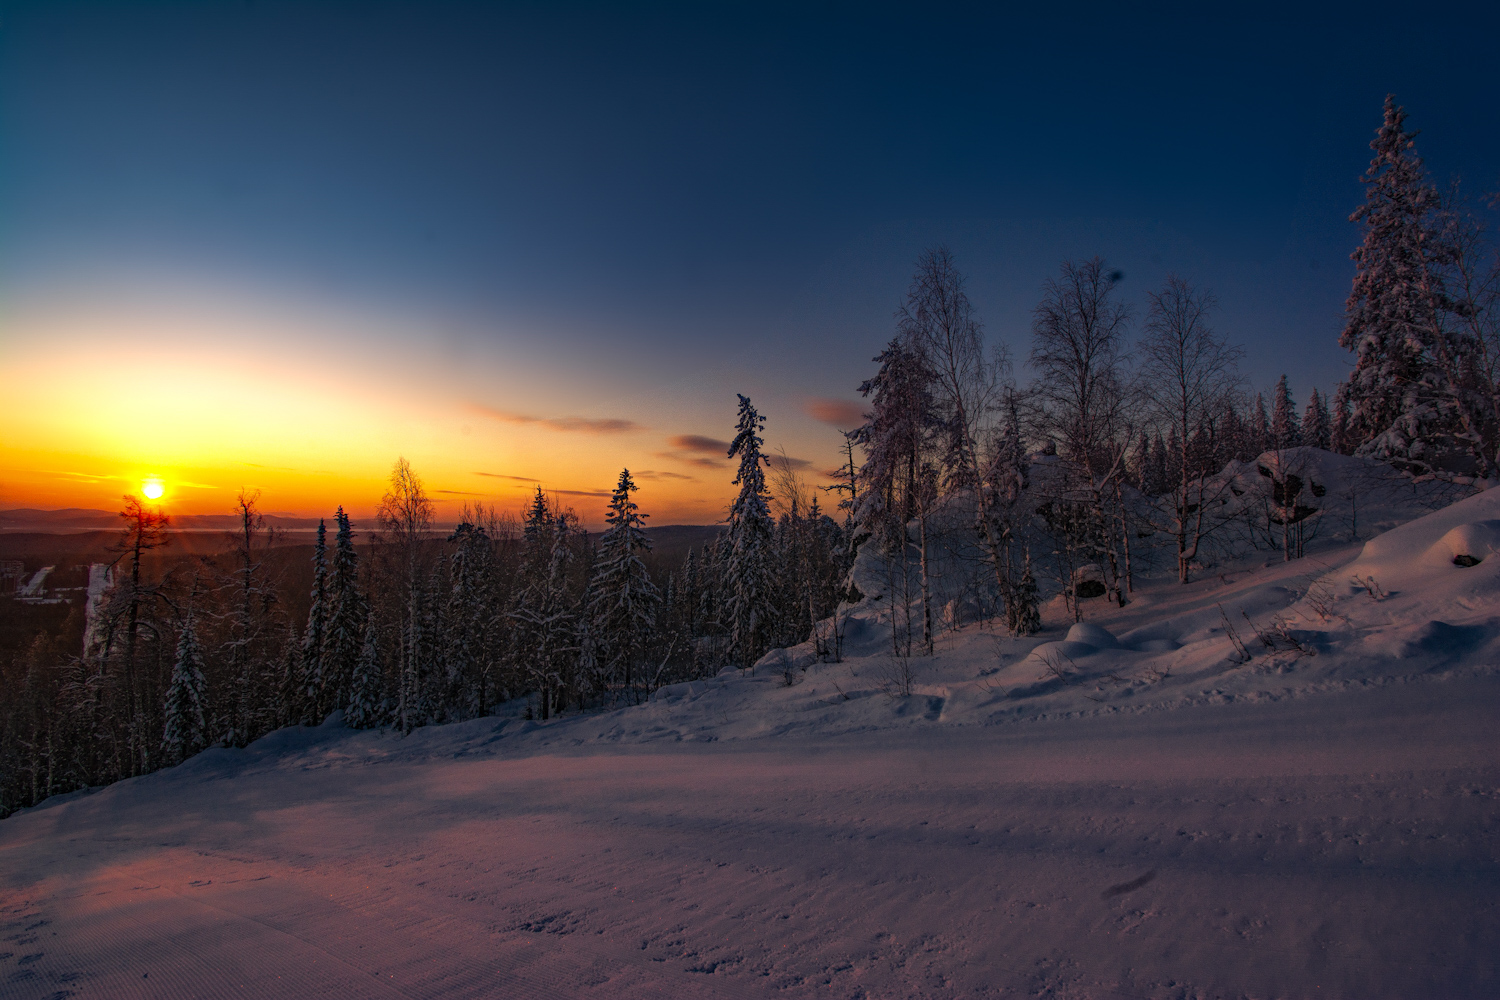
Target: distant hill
[(84, 519)]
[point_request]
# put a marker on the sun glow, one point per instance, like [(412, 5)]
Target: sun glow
[(153, 489)]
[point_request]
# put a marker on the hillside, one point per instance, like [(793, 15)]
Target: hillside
[(1134, 806)]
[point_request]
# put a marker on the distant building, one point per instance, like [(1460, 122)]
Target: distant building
[(12, 572)]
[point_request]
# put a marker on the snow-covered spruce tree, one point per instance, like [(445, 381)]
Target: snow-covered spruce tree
[(749, 543), (1005, 479), (897, 481), (315, 633), (591, 677), (1023, 615), (431, 678), (1339, 439), (1401, 402), (342, 637), (894, 438), (468, 582), (1285, 431), (186, 730), (1315, 427), (289, 696), (625, 601), (545, 614), (1260, 427), (365, 690)]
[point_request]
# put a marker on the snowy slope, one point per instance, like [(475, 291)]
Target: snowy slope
[(1127, 807)]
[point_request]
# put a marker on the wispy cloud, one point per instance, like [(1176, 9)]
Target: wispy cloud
[(839, 412), (790, 462), (459, 493), (517, 479), (677, 456), (695, 449), (699, 443), (651, 476), (606, 494), (582, 425)]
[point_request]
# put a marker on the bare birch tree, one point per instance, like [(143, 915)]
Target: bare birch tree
[(939, 321), (406, 512), (1189, 375)]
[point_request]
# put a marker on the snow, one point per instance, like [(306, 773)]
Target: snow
[(1122, 807)]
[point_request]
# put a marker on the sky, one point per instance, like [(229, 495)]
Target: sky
[(276, 246)]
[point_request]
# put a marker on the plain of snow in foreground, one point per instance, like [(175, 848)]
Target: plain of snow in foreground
[(1125, 808)]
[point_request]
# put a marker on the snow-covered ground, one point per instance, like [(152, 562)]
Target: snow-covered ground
[(1127, 808)]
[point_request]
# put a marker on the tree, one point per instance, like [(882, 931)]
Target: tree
[(1193, 375), (365, 686), (1261, 439), (250, 707), (468, 581), (1078, 334), (315, 633), (1394, 311), (144, 530), (625, 601), (749, 541), (406, 512), (939, 321), (1023, 615), (342, 638), (1285, 432), (186, 729), (1339, 437), (1316, 431)]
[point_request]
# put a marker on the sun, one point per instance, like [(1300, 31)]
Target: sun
[(153, 489)]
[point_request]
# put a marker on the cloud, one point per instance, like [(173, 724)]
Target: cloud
[(839, 412), (650, 476), (606, 494), (789, 461), (677, 456), (518, 479), (583, 425), (695, 449), (459, 493), (699, 443)]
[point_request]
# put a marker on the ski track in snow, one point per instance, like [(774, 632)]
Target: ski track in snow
[(1296, 826)]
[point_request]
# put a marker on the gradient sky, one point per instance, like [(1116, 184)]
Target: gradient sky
[(276, 245)]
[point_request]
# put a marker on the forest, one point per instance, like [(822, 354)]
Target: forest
[(1134, 447)]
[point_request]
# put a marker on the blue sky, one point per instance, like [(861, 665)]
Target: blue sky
[(633, 210)]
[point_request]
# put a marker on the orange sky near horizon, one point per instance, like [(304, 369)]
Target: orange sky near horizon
[(98, 402)]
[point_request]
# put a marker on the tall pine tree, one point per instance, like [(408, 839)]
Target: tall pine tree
[(186, 730), (342, 635), (625, 601), (1285, 432), (1394, 308), (1315, 428), (749, 543), (316, 631)]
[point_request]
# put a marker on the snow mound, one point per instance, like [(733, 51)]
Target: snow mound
[(1468, 544), (1428, 550)]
